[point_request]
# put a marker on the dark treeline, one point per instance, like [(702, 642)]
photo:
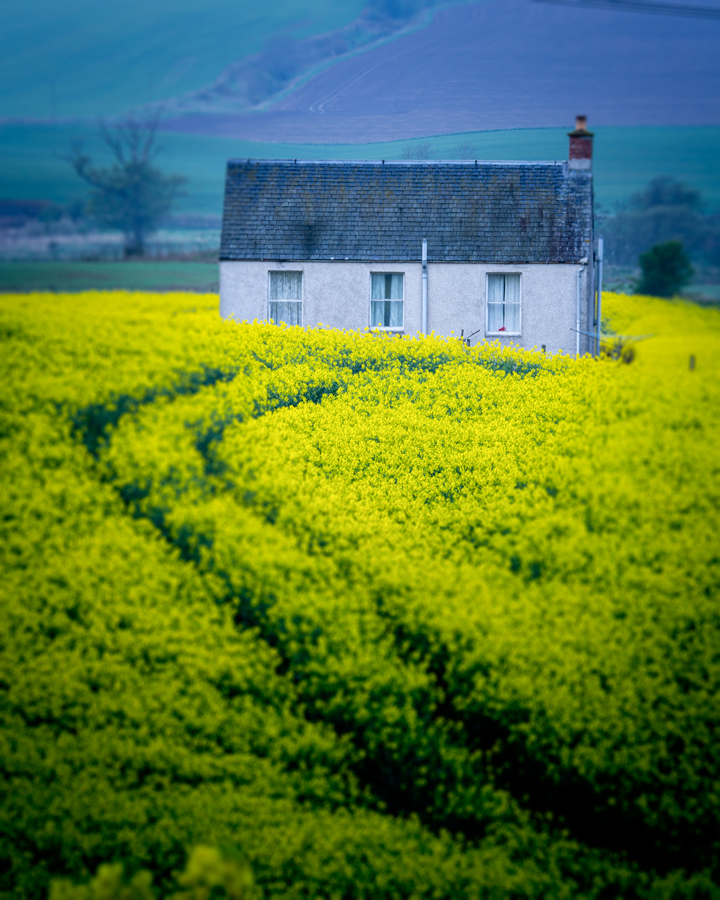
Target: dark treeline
[(665, 210)]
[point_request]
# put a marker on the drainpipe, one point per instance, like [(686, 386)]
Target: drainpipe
[(424, 288), (577, 311), (601, 244)]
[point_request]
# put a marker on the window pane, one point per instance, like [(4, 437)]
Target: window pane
[(286, 285), (288, 312), (377, 313), (396, 313), (495, 316), (512, 288), (512, 317), (496, 289), (386, 313), (386, 286), (396, 287)]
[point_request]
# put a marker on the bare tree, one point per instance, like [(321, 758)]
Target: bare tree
[(131, 194), (464, 150), (423, 150)]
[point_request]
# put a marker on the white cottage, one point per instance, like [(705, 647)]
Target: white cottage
[(497, 250)]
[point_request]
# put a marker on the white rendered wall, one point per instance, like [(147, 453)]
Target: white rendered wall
[(336, 294)]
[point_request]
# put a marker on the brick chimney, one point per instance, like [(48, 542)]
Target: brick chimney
[(581, 145)]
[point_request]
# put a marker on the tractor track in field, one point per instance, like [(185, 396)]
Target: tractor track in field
[(574, 805)]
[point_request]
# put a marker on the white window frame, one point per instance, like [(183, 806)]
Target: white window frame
[(395, 329), (489, 333), (301, 301)]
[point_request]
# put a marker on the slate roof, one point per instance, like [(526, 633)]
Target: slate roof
[(468, 211)]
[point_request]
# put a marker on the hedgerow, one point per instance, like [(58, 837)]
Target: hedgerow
[(392, 617)]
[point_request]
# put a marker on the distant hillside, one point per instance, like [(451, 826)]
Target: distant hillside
[(495, 65), (82, 58), (88, 59), (318, 71)]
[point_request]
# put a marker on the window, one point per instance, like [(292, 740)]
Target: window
[(503, 304), (286, 297), (386, 300)]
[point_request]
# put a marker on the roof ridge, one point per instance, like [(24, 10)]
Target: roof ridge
[(402, 162)]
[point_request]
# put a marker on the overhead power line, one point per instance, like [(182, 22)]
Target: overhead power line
[(643, 6)]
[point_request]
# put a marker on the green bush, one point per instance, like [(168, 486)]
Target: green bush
[(666, 269)]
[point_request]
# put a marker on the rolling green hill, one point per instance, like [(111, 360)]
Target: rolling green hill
[(625, 158), (88, 59)]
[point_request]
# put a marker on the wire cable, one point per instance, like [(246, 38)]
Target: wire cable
[(643, 6)]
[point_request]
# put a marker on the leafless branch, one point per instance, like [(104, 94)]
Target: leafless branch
[(423, 150), (132, 139), (464, 150)]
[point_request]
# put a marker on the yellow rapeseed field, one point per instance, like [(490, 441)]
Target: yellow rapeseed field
[(386, 618)]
